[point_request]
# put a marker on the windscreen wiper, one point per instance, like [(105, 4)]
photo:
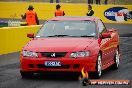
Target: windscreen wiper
[(86, 36), (58, 35)]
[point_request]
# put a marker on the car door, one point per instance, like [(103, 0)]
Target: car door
[(113, 43), (105, 44)]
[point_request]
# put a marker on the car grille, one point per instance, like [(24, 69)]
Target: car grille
[(53, 67), (53, 54)]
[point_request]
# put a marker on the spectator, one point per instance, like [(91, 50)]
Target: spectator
[(106, 2), (98, 2), (90, 1), (51, 1), (90, 11), (31, 16), (57, 1), (59, 12)]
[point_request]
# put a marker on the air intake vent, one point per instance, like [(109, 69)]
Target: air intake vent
[(53, 54)]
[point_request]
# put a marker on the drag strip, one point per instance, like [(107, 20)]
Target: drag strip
[(125, 30), (11, 78)]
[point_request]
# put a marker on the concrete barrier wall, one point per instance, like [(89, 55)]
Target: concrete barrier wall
[(46, 10), (12, 39)]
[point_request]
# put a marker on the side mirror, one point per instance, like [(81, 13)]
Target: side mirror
[(105, 35), (112, 30), (30, 35)]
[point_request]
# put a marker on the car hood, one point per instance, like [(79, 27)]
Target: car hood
[(58, 44)]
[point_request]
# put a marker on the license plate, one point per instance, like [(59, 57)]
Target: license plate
[(52, 63)]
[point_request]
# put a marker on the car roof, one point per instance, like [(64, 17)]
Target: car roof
[(90, 18)]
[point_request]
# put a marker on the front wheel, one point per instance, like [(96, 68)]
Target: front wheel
[(98, 72), (116, 60)]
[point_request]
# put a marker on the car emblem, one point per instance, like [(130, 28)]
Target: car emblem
[(53, 55)]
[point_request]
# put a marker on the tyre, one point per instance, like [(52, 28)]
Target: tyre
[(26, 74), (116, 60), (98, 72)]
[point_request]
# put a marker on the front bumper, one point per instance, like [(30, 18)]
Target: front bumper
[(28, 64)]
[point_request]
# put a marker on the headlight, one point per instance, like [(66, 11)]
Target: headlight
[(80, 54), (29, 54)]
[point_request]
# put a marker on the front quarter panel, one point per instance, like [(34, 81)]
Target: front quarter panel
[(94, 48)]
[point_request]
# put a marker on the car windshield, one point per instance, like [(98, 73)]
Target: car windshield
[(67, 29)]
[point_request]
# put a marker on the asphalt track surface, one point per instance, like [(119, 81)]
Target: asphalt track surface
[(11, 78)]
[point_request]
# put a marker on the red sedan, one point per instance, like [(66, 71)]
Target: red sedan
[(68, 44)]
